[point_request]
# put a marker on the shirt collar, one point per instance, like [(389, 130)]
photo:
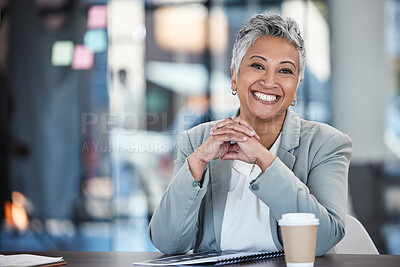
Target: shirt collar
[(242, 167)]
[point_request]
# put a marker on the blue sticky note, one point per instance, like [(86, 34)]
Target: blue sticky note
[(95, 40)]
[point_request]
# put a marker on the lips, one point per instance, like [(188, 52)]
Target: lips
[(265, 98)]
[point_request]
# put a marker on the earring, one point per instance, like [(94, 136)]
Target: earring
[(234, 91), (294, 102)]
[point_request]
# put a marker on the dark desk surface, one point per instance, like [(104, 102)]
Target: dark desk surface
[(100, 259)]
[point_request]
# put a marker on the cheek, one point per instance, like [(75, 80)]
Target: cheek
[(291, 88), (246, 80)]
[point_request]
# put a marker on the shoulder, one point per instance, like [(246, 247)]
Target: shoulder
[(301, 132), (320, 132), (323, 140)]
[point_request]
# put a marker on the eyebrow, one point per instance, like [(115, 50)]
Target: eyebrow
[(266, 60)]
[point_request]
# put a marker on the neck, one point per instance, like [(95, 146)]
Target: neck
[(268, 130)]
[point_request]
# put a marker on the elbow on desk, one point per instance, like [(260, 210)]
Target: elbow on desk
[(167, 248), (164, 243), (325, 245), (159, 243)]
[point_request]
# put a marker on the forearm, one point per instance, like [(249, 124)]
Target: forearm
[(173, 227)]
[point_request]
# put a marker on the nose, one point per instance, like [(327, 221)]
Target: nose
[(269, 80)]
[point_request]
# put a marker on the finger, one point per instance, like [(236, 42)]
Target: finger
[(221, 124), (231, 156), (241, 121), (229, 137), (234, 126)]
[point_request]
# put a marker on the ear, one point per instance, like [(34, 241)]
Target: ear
[(233, 81)]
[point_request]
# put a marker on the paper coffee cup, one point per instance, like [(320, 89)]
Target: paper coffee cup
[(299, 233)]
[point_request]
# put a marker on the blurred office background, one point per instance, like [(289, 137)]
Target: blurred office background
[(95, 93)]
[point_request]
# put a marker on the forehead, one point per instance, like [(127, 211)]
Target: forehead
[(272, 47)]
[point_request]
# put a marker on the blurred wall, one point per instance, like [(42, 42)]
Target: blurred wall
[(359, 75), (359, 89)]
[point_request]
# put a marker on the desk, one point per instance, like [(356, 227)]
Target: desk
[(119, 259)]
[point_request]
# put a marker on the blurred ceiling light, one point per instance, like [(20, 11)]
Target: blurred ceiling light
[(315, 31), (183, 78), (99, 187), (181, 28), (218, 27), (58, 227)]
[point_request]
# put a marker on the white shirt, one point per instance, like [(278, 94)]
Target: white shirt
[(245, 225)]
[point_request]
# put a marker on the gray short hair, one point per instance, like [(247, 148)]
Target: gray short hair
[(268, 24)]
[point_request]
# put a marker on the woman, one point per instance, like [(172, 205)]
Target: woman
[(233, 179)]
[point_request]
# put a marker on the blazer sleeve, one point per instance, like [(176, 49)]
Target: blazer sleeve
[(173, 226), (324, 193)]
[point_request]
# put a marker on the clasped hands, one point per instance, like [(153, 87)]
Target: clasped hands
[(218, 145)]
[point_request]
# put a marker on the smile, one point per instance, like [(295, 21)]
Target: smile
[(266, 98)]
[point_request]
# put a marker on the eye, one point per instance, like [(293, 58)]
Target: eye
[(286, 71), (257, 66)]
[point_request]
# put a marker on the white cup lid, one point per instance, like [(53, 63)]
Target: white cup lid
[(297, 219)]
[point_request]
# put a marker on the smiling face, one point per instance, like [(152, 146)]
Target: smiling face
[(267, 79)]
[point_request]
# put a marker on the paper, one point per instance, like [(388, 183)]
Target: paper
[(95, 40), (20, 260), (62, 52), (97, 17), (83, 58)]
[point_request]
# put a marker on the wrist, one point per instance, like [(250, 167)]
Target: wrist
[(198, 159), (196, 166), (265, 160)]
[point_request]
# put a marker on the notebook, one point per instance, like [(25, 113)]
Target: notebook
[(211, 258)]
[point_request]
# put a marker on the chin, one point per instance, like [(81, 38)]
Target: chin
[(267, 116)]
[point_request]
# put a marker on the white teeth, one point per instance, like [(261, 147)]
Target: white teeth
[(265, 97)]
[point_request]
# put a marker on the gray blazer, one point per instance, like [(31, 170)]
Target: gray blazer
[(308, 175)]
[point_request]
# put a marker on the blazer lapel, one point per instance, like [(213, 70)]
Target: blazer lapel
[(220, 176), (287, 158), (290, 139)]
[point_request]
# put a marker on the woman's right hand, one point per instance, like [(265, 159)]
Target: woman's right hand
[(217, 146)]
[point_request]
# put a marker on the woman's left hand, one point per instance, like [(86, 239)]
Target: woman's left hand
[(250, 151)]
